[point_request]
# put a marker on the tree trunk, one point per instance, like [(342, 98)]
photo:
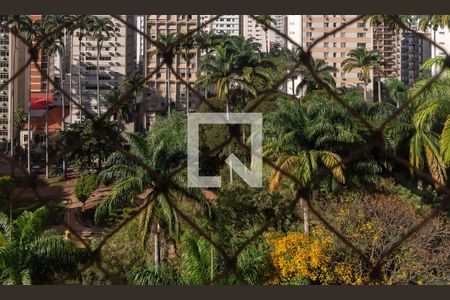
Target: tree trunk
[(365, 91), (187, 83), (211, 271), (293, 87), (169, 103), (267, 40), (379, 75), (29, 128), (79, 78), (46, 118), (11, 107), (29, 135), (98, 80), (156, 247), (63, 115), (305, 209), (379, 87)]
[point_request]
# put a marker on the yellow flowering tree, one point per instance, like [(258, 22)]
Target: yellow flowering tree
[(300, 259)]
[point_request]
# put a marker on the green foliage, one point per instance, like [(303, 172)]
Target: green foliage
[(20, 118), (94, 149), (85, 186), (31, 255)]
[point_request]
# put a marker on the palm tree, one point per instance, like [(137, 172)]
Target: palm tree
[(416, 129), (83, 25), (101, 28), (287, 141), (322, 70), (186, 48), (398, 90), (434, 63), (434, 22), (291, 58), (265, 21), (25, 26), (31, 255), (235, 68), (51, 45), (124, 111), (162, 150), (363, 59), (54, 21), (135, 82), (167, 50), (207, 41)]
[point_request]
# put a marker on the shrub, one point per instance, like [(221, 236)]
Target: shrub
[(373, 222), (84, 187)]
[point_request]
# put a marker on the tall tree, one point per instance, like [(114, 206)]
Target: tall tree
[(83, 28), (123, 113), (364, 60), (322, 70), (162, 150), (187, 50), (287, 142), (50, 44), (27, 28), (101, 28), (167, 46), (31, 255), (135, 83), (265, 21)]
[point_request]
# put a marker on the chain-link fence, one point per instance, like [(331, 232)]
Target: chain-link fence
[(164, 184)]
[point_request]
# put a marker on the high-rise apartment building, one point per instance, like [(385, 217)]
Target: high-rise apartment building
[(167, 92), (413, 53), (116, 61), (5, 72), (305, 29), (140, 41), (15, 94), (224, 24), (253, 29), (388, 41), (280, 23), (441, 37)]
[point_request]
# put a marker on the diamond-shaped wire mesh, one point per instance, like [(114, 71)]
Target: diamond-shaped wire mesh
[(164, 184)]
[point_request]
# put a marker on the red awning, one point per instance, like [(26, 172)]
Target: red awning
[(38, 100)]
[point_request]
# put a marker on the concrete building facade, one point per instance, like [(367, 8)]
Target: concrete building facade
[(166, 91), (116, 61)]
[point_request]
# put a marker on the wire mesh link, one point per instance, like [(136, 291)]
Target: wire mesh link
[(164, 185)]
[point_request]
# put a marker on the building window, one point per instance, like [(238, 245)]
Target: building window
[(361, 25), (343, 45), (325, 45), (342, 34), (361, 35), (361, 45), (326, 24), (325, 55)]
